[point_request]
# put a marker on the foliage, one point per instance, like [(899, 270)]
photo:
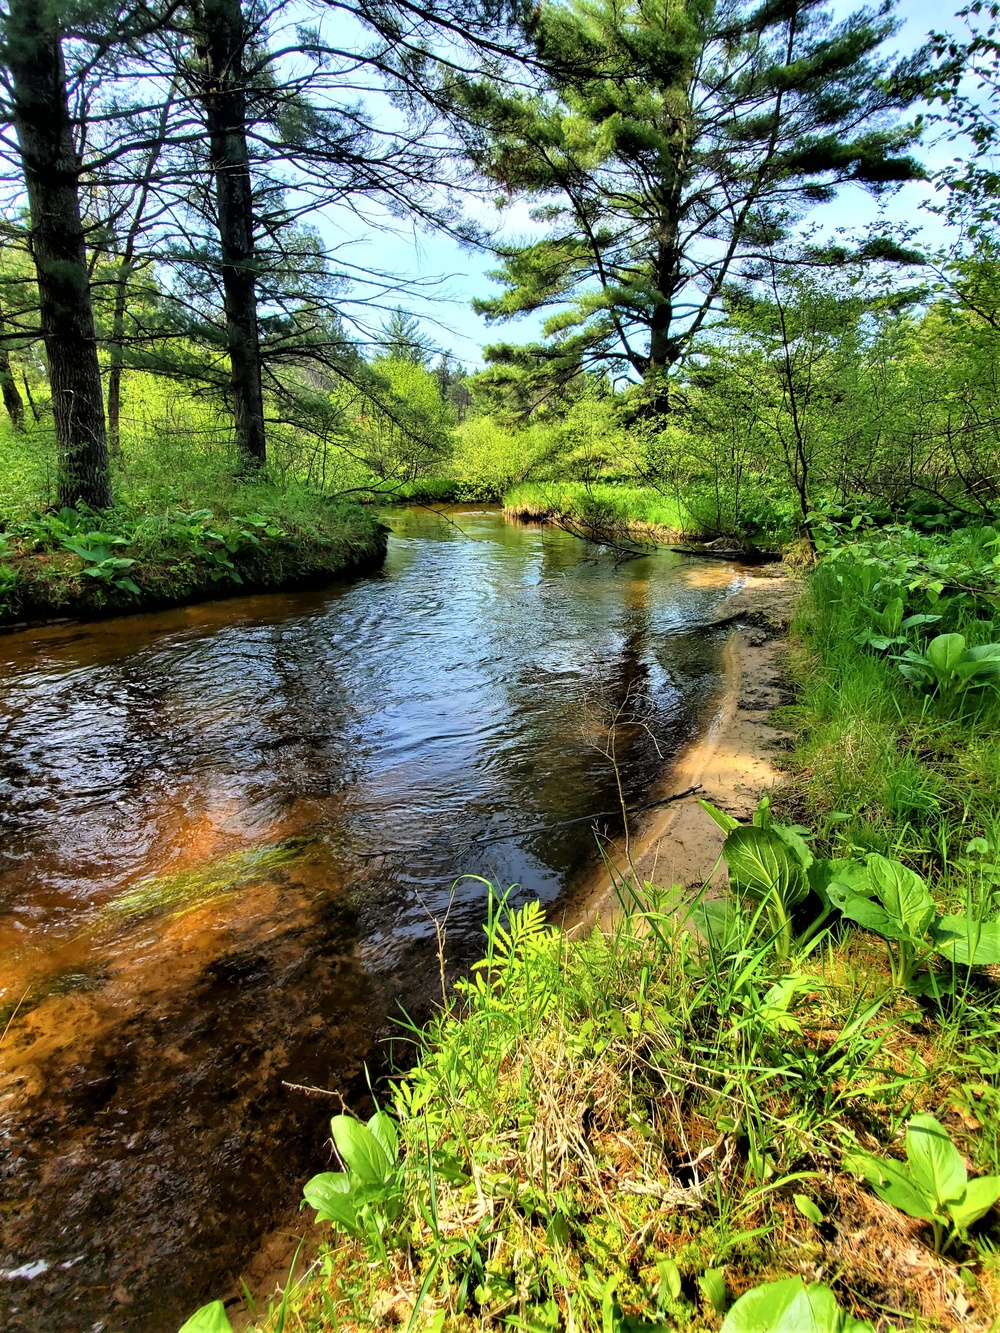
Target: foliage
[(366, 1195), (950, 668), (660, 128), (211, 1318), (791, 1306), (933, 1185)]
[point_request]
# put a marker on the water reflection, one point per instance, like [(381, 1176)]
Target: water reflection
[(225, 831)]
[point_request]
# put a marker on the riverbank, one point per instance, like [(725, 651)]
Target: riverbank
[(637, 517), (628, 1128), (69, 565), (732, 764)]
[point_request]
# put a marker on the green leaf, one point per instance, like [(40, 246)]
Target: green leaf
[(383, 1127), (903, 894), (670, 1276), (807, 1208), (892, 1183), (964, 940), (713, 1286), (936, 1165), (867, 914), (795, 841), (360, 1151), (760, 863), (725, 822), (945, 652), (979, 1197), (331, 1195), (790, 1306), (210, 1318)]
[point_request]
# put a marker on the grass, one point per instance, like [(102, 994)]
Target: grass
[(641, 510), (628, 1131), (184, 528)]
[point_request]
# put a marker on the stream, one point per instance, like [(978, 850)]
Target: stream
[(226, 834)]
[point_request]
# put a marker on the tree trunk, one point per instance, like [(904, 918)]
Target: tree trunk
[(12, 399), (221, 41), (51, 172)]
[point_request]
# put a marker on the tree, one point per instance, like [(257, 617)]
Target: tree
[(672, 145), (219, 36), (32, 52)]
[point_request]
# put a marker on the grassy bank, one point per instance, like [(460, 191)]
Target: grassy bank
[(641, 510), (137, 556), (797, 1084)]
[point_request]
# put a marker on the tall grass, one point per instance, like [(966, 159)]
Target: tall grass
[(633, 505), (624, 1132)]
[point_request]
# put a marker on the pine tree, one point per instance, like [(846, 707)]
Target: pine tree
[(674, 142)]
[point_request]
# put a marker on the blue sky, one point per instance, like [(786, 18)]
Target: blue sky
[(455, 276)]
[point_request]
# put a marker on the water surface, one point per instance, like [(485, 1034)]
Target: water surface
[(226, 832)]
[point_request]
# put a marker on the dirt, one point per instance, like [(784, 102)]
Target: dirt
[(731, 764)]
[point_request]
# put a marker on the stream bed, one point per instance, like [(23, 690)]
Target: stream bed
[(226, 833)]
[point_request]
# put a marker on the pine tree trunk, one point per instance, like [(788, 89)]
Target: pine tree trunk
[(223, 96), (12, 399), (51, 172)]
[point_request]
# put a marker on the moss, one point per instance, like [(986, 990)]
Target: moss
[(170, 566)]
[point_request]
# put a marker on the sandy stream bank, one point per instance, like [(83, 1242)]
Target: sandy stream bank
[(730, 764)]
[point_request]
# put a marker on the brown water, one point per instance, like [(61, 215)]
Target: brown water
[(225, 833)]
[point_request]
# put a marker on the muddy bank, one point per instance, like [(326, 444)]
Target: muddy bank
[(731, 763)]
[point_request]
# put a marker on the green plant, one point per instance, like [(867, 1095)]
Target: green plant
[(367, 1192), (772, 865), (791, 1306), (885, 896), (211, 1318), (933, 1185), (887, 625), (949, 668)]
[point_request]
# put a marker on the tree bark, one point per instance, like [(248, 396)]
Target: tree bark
[(221, 40), (12, 399), (52, 172)]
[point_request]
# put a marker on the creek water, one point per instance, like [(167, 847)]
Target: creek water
[(226, 832)]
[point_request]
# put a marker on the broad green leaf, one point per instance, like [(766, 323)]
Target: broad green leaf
[(808, 1208), (892, 617), (760, 863), (383, 1127), (209, 1319), (331, 1195), (936, 1165), (714, 919), (973, 943), (892, 1183), (790, 1306), (713, 1285), (985, 652), (945, 652), (979, 1197), (725, 822), (670, 1276), (360, 1150), (903, 894), (868, 914), (795, 841)]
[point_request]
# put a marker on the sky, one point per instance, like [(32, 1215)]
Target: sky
[(454, 275)]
